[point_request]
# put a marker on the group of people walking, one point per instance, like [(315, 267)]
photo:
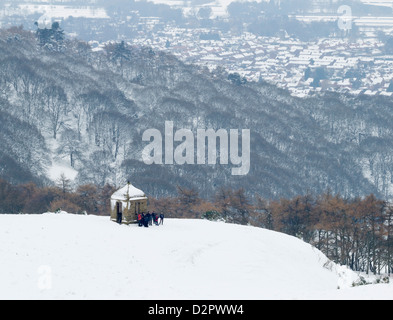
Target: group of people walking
[(146, 220)]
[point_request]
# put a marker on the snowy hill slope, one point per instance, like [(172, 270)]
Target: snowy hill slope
[(87, 257)]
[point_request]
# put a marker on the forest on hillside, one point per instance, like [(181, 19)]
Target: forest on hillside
[(63, 101)]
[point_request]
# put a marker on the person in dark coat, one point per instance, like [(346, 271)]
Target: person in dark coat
[(146, 221), (162, 218), (150, 218)]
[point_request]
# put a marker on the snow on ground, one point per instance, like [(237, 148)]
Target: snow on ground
[(219, 7), (385, 3), (61, 11), (63, 256), (61, 168)]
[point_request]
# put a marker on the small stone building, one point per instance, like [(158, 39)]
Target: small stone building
[(129, 202)]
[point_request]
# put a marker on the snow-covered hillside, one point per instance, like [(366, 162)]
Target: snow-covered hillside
[(66, 256)]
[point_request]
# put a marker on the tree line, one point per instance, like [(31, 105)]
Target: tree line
[(32, 199), (353, 232)]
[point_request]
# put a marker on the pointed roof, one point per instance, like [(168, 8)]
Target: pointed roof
[(128, 192)]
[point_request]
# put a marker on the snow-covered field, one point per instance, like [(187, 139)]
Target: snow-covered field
[(62, 256), (57, 11), (385, 3)]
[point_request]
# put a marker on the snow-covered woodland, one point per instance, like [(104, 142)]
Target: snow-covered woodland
[(67, 108)]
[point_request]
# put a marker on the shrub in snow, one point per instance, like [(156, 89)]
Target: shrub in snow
[(213, 216), (360, 282), (64, 205), (383, 280)]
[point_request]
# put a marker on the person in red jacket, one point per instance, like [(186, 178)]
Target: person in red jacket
[(155, 219), (140, 219)]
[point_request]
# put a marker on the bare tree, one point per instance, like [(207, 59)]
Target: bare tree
[(55, 103), (70, 146), (64, 184)]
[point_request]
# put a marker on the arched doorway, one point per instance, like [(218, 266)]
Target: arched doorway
[(119, 212)]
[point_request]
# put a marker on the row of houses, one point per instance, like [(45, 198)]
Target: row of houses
[(283, 61)]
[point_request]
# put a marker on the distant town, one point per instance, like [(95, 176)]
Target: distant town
[(357, 62), (358, 66)]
